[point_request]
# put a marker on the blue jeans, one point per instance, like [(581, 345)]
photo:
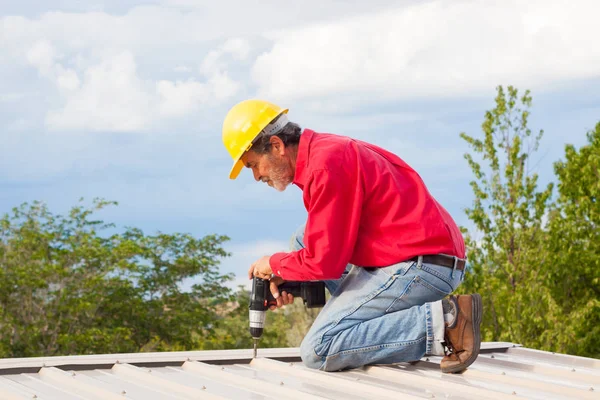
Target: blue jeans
[(379, 315)]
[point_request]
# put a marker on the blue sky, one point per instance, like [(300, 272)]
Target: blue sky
[(124, 99)]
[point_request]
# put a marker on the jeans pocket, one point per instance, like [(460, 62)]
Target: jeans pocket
[(418, 292), (441, 278)]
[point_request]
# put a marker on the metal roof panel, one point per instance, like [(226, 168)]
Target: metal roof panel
[(502, 371)]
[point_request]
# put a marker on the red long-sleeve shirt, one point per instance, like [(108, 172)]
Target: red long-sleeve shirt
[(366, 207)]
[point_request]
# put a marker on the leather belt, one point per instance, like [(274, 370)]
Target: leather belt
[(443, 260)]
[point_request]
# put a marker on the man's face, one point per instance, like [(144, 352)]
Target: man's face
[(273, 168)]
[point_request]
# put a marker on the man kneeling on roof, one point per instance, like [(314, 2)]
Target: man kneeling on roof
[(390, 255)]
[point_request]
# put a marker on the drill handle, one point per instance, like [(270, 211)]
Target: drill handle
[(312, 293), (293, 288)]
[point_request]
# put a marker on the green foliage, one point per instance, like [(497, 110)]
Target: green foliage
[(534, 262), (65, 289), (509, 271), (574, 225)]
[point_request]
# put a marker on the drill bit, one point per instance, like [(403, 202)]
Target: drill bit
[(255, 346)]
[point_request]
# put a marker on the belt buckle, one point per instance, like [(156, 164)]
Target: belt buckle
[(454, 264)]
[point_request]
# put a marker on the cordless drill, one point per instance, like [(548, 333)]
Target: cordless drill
[(261, 298)]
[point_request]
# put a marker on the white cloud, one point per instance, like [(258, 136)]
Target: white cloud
[(222, 86), (182, 68), (216, 60), (93, 61), (111, 72), (43, 56), (14, 96), (182, 97), (252, 17), (440, 48), (238, 47), (179, 98), (67, 80), (19, 125), (111, 97)]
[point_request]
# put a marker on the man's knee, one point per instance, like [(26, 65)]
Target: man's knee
[(309, 355), (297, 240)]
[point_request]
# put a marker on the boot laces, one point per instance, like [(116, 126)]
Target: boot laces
[(448, 348)]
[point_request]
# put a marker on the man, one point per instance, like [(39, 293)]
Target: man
[(389, 253)]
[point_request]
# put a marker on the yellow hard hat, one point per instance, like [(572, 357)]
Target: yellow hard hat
[(243, 123)]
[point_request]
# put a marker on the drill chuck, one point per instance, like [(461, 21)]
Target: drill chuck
[(257, 323)]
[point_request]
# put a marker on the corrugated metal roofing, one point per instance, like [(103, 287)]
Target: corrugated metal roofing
[(502, 371)]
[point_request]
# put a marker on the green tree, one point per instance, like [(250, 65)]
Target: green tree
[(65, 289), (299, 319), (575, 244), (509, 263)]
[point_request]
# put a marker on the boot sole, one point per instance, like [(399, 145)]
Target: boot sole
[(477, 311)]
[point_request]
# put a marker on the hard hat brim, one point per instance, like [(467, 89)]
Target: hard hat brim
[(236, 169)]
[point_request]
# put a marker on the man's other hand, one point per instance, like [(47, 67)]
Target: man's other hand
[(285, 297)]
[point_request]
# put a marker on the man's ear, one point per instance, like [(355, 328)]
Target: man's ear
[(277, 145)]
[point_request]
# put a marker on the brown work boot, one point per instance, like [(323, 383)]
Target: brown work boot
[(462, 336)]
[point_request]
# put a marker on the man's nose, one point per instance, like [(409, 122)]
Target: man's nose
[(256, 175)]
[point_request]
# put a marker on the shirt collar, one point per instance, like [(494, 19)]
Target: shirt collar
[(302, 157)]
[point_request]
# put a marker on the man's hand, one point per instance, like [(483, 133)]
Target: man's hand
[(260, 269), (285, 298)]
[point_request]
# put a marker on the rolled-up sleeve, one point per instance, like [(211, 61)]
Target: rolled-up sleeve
[(334, 201)]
